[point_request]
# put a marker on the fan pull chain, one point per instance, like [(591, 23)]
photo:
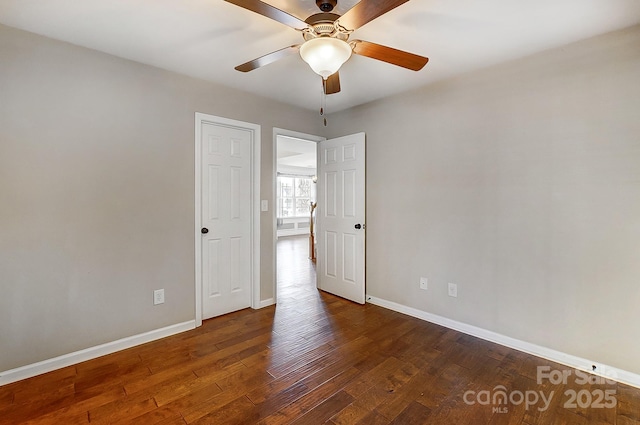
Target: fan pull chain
[(323, 102)]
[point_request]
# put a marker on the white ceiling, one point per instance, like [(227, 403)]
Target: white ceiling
[(298, 153), (207, 38)]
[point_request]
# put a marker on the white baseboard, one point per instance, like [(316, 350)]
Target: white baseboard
[(49, 365), (574, 362), (267, 302)]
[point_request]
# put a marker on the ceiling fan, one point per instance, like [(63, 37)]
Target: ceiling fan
[(326, 43)]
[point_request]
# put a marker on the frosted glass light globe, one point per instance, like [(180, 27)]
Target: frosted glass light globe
[(325, 55)]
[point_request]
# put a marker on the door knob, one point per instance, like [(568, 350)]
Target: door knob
[(204, 230), (358, 226)]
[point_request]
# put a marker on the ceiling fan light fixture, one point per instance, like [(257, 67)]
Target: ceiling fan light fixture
[(325, 55)]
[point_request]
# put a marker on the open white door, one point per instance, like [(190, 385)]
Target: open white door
[(340, 217)]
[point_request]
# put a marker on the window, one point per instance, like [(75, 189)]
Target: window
[(294, 196)]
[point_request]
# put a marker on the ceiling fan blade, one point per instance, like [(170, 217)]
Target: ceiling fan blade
[(268, 58), (332, 84), (269, 11), (366, 11), (389, 55)]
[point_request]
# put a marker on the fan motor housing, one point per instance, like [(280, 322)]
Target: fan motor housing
[(324, 25), (326, 5)]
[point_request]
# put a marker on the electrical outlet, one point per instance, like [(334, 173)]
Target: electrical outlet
[(424, 283), (158, 296), (453, 290)]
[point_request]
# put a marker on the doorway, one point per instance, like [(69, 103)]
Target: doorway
[(295, 167)]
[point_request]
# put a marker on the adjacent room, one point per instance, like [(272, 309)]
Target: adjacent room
[(160, 163), (296, 200)]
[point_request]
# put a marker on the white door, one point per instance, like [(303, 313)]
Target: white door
[(340, 217), (226, 218)]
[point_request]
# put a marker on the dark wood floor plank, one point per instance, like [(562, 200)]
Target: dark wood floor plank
[(415, 414), (191, 368), (124, 409), (6, 397), (178, 389), (238, 411), (393, 403), (278, 399), (378, 376), (321, 392), (351, 414), (226, 357), (373, 418), (325, 410), (628, 403), (289, 363), (625, 420), (162, 415), (369, 401), (48, 385), (248, 332), (312, 359), (150, 382), (242, 377), (199, 404), (38, 405), (304, 378), (106, 378), (77, 410)]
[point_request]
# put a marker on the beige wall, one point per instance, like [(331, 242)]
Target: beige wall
[(97, 193), (521, 184)]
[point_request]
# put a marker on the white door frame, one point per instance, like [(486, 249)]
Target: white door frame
[(254, 262), (274, 201)]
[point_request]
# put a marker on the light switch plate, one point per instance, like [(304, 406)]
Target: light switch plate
[(453, 290), (158, 296)]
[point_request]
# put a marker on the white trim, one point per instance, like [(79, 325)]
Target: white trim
[(257, 179), (255, 206), (198, 219), (267, 303), (65, 360), (274, 200), (575, 362)]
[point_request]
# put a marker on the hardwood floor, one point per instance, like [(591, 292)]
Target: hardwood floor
[(314, 359)]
